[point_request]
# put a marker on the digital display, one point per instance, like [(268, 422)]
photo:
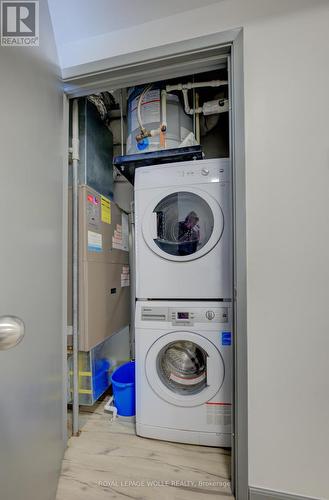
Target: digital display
[(182, 315)]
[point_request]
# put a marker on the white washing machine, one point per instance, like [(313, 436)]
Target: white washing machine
[(184, 371), (183, 230)]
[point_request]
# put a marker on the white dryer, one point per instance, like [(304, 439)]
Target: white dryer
[(183, 230), (184, 372)]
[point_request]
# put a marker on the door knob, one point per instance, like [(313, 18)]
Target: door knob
[(12, 330)]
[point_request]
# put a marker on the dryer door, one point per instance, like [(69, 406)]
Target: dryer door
[(184, 368), (183, 225)]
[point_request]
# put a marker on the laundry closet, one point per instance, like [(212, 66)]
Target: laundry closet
[(150, 258)]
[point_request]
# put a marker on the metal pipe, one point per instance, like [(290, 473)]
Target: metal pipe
[(132, 279), (121, 122), (148, 133), (197, 119), (194, 108), (75, 194)]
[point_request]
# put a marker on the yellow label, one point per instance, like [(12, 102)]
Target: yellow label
[(105, 210), (82, 374)]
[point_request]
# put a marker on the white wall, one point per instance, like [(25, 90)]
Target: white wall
[(287, 150), (225, 14), (92, 18), (287, 159)]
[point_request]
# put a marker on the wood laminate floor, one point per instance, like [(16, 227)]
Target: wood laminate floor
[(108, 461)]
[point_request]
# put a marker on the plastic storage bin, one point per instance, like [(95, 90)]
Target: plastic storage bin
[(96, 366), (94, 377), (123, 384)]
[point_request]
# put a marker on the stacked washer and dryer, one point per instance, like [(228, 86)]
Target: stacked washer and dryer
[(183, 321)]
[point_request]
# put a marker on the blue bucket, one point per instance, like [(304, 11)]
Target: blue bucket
[(123, 383)]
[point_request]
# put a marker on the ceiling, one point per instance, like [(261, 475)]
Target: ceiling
[(75, 20)]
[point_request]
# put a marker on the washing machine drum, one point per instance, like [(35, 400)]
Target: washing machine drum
[(182, 367)]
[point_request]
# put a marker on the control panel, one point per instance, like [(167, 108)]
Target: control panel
[(185, 316), (207, 174), (93, 211)]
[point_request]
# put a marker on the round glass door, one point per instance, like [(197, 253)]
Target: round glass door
[(185, 223), (182, 367)]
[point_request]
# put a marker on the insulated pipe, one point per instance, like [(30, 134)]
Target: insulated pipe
[(163, 126), (75, 194), (164, 110)]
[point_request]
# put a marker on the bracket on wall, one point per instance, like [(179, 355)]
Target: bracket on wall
[(128, 163)]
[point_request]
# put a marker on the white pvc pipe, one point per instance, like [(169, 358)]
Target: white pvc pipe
[(188, 110), (196, 85), (184, 88), (186, 104), (111, 408)]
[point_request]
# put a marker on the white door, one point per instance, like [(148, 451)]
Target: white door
[(183, 225), (184, 368), (31, 269)]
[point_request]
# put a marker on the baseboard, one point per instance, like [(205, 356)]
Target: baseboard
[(262, 494)]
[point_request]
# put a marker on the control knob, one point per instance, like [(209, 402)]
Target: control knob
[(210, 315)]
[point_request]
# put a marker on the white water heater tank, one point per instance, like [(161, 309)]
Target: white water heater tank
[(179, 125)]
